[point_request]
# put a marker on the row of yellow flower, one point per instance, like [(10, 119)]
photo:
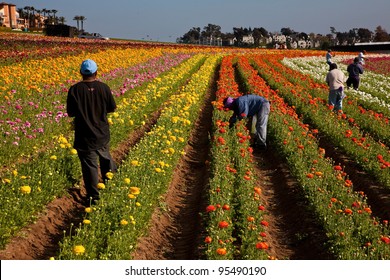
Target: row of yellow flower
[(111, 228), (58, 166)]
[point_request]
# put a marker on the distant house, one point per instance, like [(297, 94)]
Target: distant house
[(9, 17), (248, 39)]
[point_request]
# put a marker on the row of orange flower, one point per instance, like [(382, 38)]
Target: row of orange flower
[(344, 214), (236, 228)]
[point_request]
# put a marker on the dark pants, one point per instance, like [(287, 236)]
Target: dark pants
[(90, 167), (354, 81)]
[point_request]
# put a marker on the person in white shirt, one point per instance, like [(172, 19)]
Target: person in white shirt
[(335, 80), (361, 57)]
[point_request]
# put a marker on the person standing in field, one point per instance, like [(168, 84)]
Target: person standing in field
[(328, 57), (354, 70), (88, 102), (251, 106), (361, 57), (335, 80)]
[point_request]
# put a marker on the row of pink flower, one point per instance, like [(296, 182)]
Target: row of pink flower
[(23, 119)]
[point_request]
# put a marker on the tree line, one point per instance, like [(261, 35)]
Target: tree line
[(34, 17), (261, 37)]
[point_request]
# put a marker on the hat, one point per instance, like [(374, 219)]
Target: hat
[(88, 67), (227, 102)]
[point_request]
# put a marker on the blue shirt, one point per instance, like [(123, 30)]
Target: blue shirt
[(246, 106), (354, 70)]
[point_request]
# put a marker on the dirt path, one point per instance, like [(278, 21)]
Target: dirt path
[(175, 231), (293, 233)]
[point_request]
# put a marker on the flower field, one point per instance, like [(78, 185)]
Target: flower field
[(188, 186)]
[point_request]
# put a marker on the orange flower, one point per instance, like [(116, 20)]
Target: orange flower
[(250, 219), (208, 239), (257, 190), (223, 224), (348, 183), (348, 211), (310, 175), (337, 168), (221, 251), (210, 208), (226, 207), (262, 246), (385, 239), (264, 223), (368, 210)]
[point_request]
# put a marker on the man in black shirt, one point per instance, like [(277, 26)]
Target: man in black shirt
[(89, 102)]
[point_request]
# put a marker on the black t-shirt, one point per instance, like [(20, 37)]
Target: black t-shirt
[(89, 103)]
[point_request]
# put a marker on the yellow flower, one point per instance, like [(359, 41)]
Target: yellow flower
[(158, 170), (79, 249), (86, 222), (62, 140), (88, 210), (73, 152), (131, 196), (53, 157), (131, 122), (124, 222), (101, 186), (127, 181), (15, 172), (171, 150), (135, 190), (8, 181), (137, 204), (52, 258), (135, 163), (109, 175), (25, 189)]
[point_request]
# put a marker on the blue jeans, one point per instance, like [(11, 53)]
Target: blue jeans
[(335, 99), (261, 121)]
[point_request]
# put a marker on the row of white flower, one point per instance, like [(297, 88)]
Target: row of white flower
[(374, 88)]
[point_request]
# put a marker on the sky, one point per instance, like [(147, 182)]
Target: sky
[(167, 20)]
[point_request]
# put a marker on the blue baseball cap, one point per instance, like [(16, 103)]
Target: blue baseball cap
[(88, 67)]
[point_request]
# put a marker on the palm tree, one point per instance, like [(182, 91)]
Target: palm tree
[(62, 20), (38, 18), (32, 19), (27, 14), (54, 16), (77, 19), (82, 19)]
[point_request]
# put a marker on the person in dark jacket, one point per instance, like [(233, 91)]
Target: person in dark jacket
[(354, 70), (89, 101), (251, 106)]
